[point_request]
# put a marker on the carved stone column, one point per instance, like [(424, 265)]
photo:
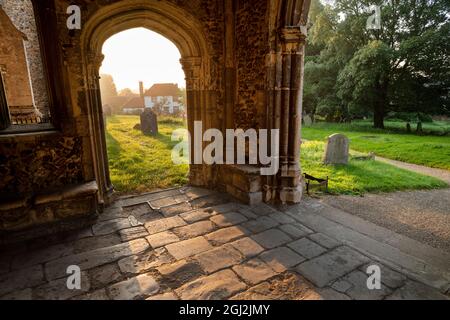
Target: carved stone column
[(192, 67), (98, 139), (293, 48), (285, 69)]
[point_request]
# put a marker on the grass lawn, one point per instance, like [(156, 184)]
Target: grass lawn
[(140, 163), (432, 151), (361, 176)]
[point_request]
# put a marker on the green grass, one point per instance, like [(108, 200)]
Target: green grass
[(428, 150), (361, 176), (140, 163)]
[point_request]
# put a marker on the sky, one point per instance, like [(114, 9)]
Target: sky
[(141, 55)]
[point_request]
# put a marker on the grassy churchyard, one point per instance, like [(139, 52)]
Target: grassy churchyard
[(141, 163), (393, 143)]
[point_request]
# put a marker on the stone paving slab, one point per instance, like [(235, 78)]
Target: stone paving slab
[(176, 274), (187, 248), (133, 233), (21, 279), (104, 275), (111, 226), (57, 268), (307, 248), (261, 224), (332, 265), (287, 286), (294, 230), (226, 235), (359, 289), (248, 247), (281, 259), (254, 271), (21, 295), (219, 258), (98, 295), (228, 219), (324, 240), (164, 224), (271, 238), (145, 261), (420, 267), (140, 286), (195, 229), (162, 239), (169, 296), (57, 289), (197, 215), (212, 248), (218, 286), (416, 291)]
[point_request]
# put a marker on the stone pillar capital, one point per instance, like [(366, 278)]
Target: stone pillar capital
[(293, 39), (192, 67), (95, 60)]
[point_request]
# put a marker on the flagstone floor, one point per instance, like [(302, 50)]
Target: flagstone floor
[(191, 243)]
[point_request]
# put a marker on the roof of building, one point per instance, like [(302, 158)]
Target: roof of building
[(134, 103), (163, 90)]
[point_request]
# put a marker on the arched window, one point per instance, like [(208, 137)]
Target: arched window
[(24, 98)]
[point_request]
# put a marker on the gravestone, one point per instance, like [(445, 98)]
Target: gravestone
[(149, 122), (307, 120), (337, 149)]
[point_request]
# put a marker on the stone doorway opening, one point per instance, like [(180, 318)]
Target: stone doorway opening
[(143, 92), (186, 34)]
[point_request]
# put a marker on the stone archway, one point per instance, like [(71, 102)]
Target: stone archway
[(185, 32)]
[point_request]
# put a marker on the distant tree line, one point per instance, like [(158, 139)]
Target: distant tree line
[(352, 71)]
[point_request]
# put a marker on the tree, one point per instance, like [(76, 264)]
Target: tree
[(107, 86), (363, 83), (127, 92), (402, 65)]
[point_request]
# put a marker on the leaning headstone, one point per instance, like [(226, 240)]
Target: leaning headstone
[(337, 149), (149, 122), (307, 120)]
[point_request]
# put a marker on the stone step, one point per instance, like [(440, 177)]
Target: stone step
[(244, 182), (411, 263)]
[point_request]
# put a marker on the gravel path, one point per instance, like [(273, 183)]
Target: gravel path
[(420, 215), (441, 174)]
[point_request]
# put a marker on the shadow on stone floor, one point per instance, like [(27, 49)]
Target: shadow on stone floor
[(191, 243)]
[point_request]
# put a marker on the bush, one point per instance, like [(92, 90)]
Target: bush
[(409, 117), (423, 117)]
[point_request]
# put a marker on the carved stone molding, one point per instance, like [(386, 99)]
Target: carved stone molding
[(192, 67), (293, 39)]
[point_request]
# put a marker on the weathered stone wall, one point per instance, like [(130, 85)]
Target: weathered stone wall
[(251, 50), (22, 15), (32, 164)]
